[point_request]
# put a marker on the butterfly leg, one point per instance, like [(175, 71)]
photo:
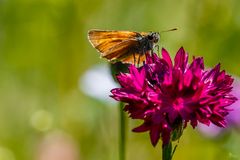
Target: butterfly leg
[(157, 48), (138, 63), (134, 59)]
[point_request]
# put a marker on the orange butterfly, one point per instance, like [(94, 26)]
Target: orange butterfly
[(124, 46)]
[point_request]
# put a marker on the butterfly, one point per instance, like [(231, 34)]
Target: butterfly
[(124, 46)]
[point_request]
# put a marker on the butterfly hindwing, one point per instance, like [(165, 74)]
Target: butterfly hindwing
[(122, 49)]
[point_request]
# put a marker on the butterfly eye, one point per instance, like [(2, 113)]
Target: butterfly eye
[(150, 37)]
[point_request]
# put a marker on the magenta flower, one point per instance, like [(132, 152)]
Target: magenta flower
[(167, 95), (232, 119)]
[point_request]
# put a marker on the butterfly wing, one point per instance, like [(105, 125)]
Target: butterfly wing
[(126, 52), (116, 45), (111, 43), (134, 58)]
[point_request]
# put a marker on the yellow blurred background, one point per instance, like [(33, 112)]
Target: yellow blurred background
[(45, 57)]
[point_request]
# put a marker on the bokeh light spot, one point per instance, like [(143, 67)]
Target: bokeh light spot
[(6, 154), (41, 120)]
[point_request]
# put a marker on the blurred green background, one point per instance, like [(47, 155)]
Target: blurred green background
[(44, 52)]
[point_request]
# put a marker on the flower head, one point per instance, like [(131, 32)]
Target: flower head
[(166, 94)]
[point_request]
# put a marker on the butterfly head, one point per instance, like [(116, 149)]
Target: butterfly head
[(153, 37)]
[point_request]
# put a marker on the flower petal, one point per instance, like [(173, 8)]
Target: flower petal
[(181, 59), (167, 58)]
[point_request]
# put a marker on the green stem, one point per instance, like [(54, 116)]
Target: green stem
[(122, 133), (167, 151)]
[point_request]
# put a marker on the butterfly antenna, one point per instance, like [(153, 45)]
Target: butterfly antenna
[(169, 30)]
